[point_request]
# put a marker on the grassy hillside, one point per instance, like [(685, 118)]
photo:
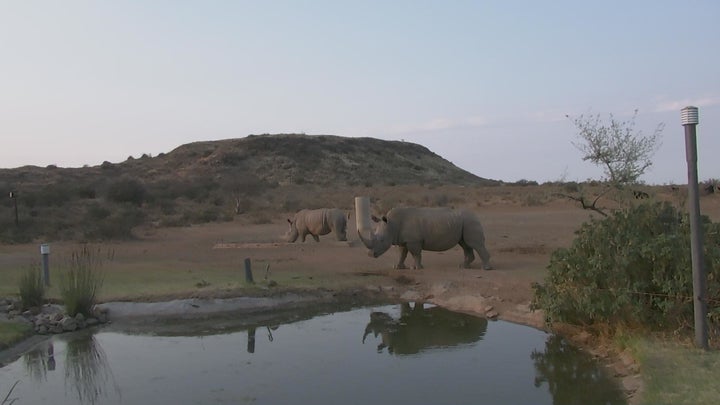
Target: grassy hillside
[(250, 178)]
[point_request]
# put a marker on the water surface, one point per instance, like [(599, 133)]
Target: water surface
[(389, 354)]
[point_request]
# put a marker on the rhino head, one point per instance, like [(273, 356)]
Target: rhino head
[(381, 237), (292, 234)]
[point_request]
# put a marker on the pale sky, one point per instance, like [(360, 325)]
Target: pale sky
[(484, 84)]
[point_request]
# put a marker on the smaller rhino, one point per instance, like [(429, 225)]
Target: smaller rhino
[(317, 222)]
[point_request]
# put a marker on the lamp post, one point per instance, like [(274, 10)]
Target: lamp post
[(45, 255), (689, 117), (13, 196)]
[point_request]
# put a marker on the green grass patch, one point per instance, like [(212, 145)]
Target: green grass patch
[(32, 288), (146, 282), (81, 281), (13, 332), (677, 374), (175, 278)]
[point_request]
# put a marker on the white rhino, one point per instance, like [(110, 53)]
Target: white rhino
[(317, 222), (434, 229)]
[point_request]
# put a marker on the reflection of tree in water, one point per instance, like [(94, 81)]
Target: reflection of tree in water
[(87, 370), (86, 367), (573, 377), (420, 328)]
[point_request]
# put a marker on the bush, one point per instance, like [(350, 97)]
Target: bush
[(118, 225), (32, 287), (127, 191), (81, 280), (632, 267)]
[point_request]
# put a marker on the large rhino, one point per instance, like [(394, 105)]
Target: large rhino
[(317, 222), (434, 229)]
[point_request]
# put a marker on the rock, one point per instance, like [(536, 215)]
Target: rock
[(42, 329), (91, 322), (411, 295), (492, 314), (57, 317), (27, 314), (40, 321), (69, 324), (80, 317), (13, 313), (97, 311), (57, 328)]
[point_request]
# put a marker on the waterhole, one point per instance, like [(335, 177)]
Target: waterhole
[(390, 354)]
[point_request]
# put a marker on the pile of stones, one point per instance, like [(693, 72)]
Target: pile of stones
[(50, 318)]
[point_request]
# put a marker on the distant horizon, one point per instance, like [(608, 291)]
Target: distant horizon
[(160, 154)]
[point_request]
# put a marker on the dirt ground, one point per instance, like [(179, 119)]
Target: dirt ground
[(520, 240)]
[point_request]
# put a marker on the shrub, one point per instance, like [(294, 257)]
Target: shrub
[(632, 267), (81, 280), (32, 287), (96, 212), (118, 225), (127, 191)]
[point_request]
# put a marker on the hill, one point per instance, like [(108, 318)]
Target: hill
[(211, 181)]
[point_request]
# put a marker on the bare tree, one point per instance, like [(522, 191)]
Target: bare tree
[(623, 152)]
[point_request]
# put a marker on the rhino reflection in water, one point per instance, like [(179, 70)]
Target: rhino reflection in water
[(420, 329)]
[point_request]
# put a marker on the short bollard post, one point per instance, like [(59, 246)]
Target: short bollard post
[(248, 272), (45, 253)]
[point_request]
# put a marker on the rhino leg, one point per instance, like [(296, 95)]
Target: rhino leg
[(340, 229), (416, 252), (469, 255), (403, 255), (317, 238), (485, 257), (477, 242)]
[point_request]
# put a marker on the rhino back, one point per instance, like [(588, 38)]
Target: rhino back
[(438, 229), (314, 221)]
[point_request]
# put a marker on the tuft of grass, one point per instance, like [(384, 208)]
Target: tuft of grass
[(81, 280), (13, 332), (7, 400), (32, 288)]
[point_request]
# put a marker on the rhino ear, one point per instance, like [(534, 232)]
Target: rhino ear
[(289, 221), (384, 218), (375, 219)]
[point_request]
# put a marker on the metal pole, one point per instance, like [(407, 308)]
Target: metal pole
[(690, 120), (45, 253), (13, 196)]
